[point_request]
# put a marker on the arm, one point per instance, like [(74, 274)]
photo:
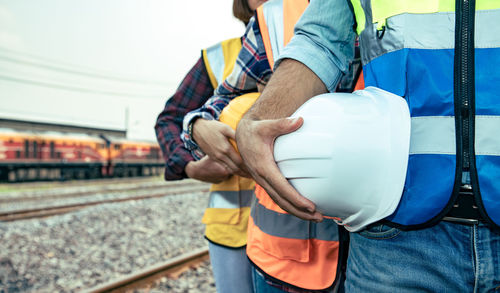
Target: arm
[(179, 163), (251, 70), (298, 77)]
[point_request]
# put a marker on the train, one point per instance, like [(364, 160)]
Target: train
[(51, 155)]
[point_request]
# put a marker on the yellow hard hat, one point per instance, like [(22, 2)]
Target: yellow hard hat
[(232, 113)]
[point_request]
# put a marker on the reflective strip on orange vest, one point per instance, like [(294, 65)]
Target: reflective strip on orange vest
[(289, 226), (298, 252)]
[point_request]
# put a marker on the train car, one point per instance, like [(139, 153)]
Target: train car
[(134, 158), (51, 155), (29, 156)]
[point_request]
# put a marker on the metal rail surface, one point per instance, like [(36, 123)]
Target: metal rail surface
[(77, 183), (146, 277), (105, 189), (55, 210)]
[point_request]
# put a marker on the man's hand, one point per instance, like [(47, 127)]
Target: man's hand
[(255, 142), (213, 138), (207, 170), (290, 86)]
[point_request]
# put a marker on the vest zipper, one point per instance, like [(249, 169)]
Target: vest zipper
[(464, 87)]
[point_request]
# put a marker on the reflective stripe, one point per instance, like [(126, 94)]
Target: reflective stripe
[(210, 73), (432, 32), (436, 135), (220, 59), (270, 16), (487, 138), (230, 199), (289, 226), (215, 57), (276, 22), (231, 49), (383, 9), (432, 135)]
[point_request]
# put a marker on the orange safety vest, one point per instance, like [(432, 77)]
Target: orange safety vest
[(300, 253)]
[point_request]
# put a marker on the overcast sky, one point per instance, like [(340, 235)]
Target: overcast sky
[(84, 62)]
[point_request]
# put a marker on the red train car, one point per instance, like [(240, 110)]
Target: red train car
[(53, 156), (134, 158)]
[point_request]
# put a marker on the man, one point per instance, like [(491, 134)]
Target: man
[(444, 236)]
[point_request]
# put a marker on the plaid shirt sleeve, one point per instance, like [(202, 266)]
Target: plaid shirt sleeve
[(193, 92), (251, 68)]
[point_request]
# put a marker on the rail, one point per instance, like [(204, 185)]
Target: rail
[(146, 277), (60, 209), (72, 194)]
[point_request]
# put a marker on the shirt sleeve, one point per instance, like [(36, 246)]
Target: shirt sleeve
[(193, 92), (324, 40), (251, 68)]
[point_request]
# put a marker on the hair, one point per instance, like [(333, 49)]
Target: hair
[(242, 11)]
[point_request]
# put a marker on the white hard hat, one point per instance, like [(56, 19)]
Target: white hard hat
[(350, 155)]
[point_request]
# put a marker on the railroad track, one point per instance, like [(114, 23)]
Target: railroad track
[(146, 277), (61, 209), (119, 188), (36, 184)]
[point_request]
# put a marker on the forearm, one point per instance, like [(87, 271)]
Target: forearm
[(278, 101), (192, 93), (175, 155), (175, 166), (311, 65), (291, 85), (210, 111), (250, 72)]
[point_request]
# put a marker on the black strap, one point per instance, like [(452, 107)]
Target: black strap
[(465, 206)]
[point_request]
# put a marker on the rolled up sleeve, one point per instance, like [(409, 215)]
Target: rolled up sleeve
[(324, 40)]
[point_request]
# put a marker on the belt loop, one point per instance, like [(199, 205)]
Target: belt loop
[(380, 33)]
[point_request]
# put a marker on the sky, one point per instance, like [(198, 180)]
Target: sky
[(89, 62)]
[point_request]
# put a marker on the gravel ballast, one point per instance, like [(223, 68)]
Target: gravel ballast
[(80, 250)]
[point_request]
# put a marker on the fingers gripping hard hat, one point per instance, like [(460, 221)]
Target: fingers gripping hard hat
[(234, 111), (350, 156)]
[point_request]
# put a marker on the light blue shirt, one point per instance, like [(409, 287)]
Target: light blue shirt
[(324, 40)]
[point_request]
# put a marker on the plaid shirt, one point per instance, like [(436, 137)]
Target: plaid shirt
[(251, 68), (193, 92)]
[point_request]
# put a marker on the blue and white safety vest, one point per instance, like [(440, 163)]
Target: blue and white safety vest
[(444, 59)]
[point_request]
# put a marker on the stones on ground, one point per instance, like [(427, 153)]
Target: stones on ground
[(76, 251)]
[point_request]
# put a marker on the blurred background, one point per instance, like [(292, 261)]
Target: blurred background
[(102, 63)]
